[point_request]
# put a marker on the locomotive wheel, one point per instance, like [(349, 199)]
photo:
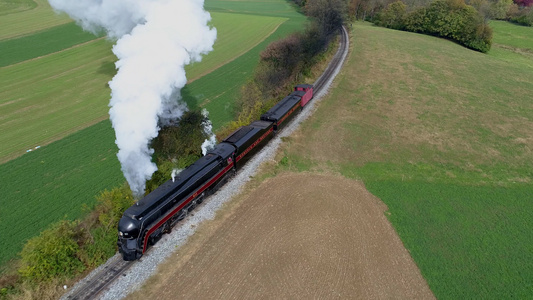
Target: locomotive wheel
[(192, 205), (168, 227), (200, 199), (152, 240), (183, 214)]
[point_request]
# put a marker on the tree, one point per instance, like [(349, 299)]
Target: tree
[(52, 254), (393, 16), (329, 14), (524, 3), (452, 19)]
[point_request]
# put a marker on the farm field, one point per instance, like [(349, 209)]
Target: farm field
[(25, 17), (235, 37), (45, 186), (48, 97), (443, 136), (511, 35), (50, 40), (294, 236), (94, 146)]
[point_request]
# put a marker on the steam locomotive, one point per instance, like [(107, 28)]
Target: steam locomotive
[(144, 223)]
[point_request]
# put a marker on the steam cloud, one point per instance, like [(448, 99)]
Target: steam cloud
[(155, 40), (210, 142)]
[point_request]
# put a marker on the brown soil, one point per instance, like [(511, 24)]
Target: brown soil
[(295, 236)]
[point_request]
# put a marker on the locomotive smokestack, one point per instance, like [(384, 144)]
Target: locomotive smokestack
[(155, 40), (175, 173)]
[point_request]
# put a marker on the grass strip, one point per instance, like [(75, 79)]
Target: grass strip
[(42, 43), (35, 17)]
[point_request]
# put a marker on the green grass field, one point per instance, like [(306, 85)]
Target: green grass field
[(54, 182), (49, 41), (235, 37), (443, 135), (48, 98), (41, 100), (16, 6), (52, 97), (511, 35), (24, 17)]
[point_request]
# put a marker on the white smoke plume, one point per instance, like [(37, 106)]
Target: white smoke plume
[(175, 173), (211, 142), (155, 40)]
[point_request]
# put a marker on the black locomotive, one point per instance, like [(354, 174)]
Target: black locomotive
[(144, 223)]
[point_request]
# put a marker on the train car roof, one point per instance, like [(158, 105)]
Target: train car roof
[(261, 124), (304, 85), (167, 189), (281, 108), (243, 134), (298, 93), (224, 150)]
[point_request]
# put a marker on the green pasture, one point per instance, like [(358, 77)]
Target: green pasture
[(45, 99), (275, 8), (470, 242), (47, 185), (61, 93), (443, 136), (236, 35), (15, 6), (48, 97), (511, 35), (25, 17), (42, 43)]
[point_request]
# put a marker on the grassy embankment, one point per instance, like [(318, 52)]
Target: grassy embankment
[(57, 180), (444, 136)]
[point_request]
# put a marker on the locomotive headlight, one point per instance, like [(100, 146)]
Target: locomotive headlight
[(120, 233)]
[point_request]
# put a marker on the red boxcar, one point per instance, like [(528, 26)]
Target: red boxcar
[(308, 89)]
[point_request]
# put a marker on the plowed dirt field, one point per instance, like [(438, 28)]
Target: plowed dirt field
[(296, 236)]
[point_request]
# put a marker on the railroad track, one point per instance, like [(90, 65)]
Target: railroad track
[(98, 281), (335, 63)]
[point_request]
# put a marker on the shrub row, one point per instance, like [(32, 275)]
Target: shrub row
[(451, 19), (522, 16), (282, 64)]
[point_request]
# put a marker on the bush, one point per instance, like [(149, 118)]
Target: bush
[(522, 16), (393, 16), (98, 233), (111, 205), (328, 14), (498, 9), (52, 254), (100, 247), (280, 63), (177, 146), (183, 139), (452, 19)]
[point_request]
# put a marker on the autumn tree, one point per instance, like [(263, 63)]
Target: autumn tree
[(329, 14)]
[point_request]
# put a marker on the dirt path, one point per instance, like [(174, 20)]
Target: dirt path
[(296, 236)]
